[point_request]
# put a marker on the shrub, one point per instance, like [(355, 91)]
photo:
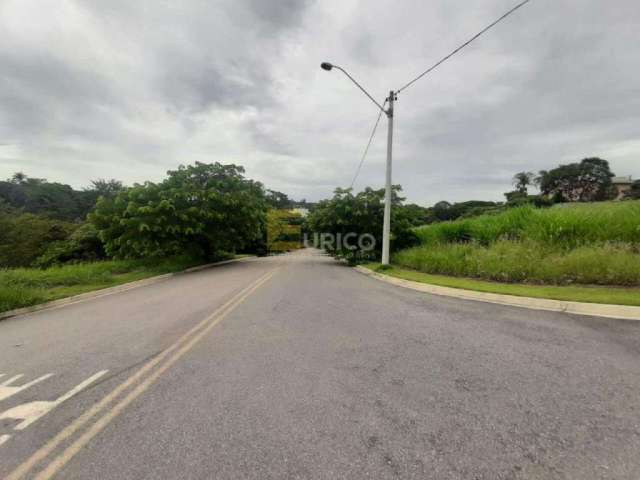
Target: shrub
[(82, 245), (24, 237), (361, 214)]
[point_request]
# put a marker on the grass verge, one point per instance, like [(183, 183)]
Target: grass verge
[(25, 287), (582, 293)]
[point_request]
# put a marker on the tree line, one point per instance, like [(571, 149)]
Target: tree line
[(586, 181), (206, 210), (201, 210)]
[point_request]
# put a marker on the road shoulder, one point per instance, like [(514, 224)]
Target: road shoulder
[(111, 290), (580, 308)]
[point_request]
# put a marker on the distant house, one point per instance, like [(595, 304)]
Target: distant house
[(622, 185)]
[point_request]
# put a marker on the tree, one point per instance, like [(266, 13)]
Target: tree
[(99, 188), (202, 210), (24, 237), (277, 199), (36, 195), (587, 181), (522, 180), (18, 178), (416, 214), (442, 210), (106, 188), (634, 192), (83, 245), (360, 214)]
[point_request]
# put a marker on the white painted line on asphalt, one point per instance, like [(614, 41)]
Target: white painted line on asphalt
[(12, 379), (7, 391), (61, 460), (78, 423), (33, 411)]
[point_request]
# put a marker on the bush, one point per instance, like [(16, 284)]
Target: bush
[(361, 214), (24, 237), (82, 245)]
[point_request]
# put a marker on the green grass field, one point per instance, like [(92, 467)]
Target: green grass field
[(592, 244), (24, 287), (574, 293)]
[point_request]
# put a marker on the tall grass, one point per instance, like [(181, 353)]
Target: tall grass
[(595, 243), (565, 226)]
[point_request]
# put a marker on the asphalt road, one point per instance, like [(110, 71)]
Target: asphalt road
[(299, 367)]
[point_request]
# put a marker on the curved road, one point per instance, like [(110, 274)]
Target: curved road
[(298, 367)]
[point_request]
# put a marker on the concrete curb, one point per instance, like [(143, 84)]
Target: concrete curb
[(624, 312), (111, 290)]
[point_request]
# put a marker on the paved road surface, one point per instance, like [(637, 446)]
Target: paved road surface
[(298, 367)]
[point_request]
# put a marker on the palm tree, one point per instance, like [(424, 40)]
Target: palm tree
[(19, 178), (522, 180)]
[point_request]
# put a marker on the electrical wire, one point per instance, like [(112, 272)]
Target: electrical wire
[(430, 69), (444, 59), (366, 150)]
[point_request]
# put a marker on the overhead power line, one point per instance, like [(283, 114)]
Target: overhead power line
[(366, 150), (444, 59), (430, 69)]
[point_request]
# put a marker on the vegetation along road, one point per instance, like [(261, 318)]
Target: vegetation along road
[(295, 366)]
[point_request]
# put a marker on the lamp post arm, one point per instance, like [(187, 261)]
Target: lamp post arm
[(361, 88)]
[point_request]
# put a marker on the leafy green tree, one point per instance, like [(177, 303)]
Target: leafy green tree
[(522, 180), (25, 236), (18, 178), (361, 214), (442, 210), (587, 181), (416, 214), (83, 245), (36, 195), (201, 209), (99, 188), (277, 199), (106, 188)]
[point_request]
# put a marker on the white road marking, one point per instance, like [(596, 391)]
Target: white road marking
[(4, 438), (12, 379), (33, 411), (7, 391)]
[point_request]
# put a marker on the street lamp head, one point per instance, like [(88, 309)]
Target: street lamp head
[(326, 66)]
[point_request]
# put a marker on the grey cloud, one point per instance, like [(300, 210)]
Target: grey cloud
[(38, 91), (131, 89), (278, 14)]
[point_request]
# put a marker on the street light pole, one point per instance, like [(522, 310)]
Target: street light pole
[(386, 223)]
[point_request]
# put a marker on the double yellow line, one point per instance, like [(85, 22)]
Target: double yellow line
[(140, 381)]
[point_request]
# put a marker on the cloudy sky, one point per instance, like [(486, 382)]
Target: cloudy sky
[(129, 89)]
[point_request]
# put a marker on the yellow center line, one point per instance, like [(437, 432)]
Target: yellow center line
[(189, 339)]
